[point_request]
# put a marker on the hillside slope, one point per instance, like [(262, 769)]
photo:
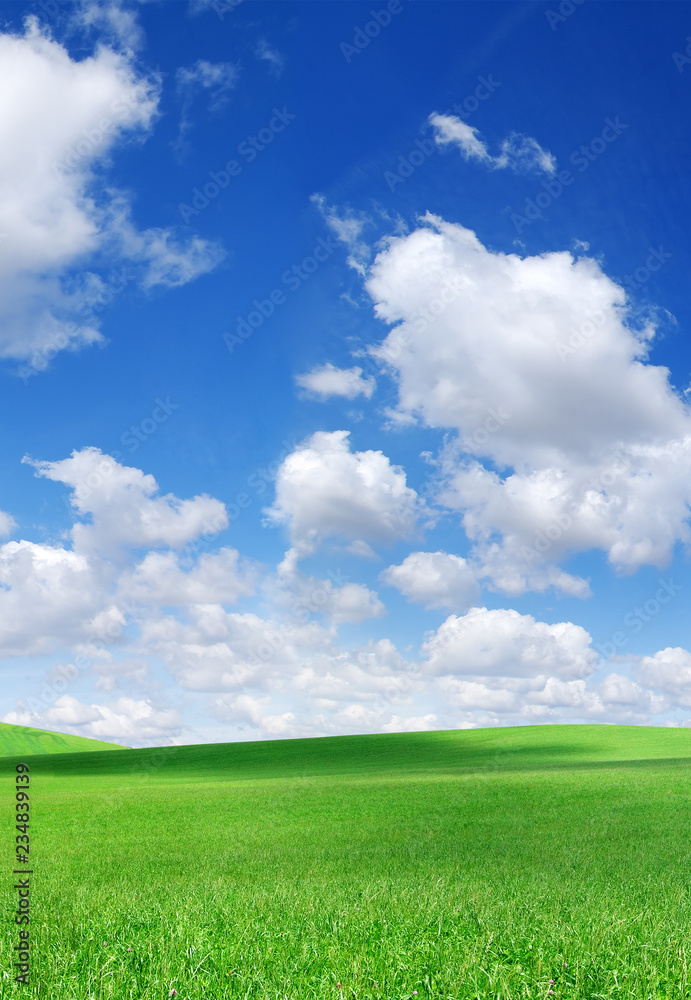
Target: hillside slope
[(445, 751), (23, 741)]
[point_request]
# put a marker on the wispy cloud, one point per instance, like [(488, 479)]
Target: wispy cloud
[(520, 153)]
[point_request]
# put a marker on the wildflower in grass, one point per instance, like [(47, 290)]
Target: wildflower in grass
[(338, 986), (173, 993)]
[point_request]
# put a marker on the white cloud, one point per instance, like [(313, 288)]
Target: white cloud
[(669, 671), (589, 442), (328, 380), (113, 20), (265, 52), (217, 578), (56, 209), (218, 78), (7, 524), (55, 595), (411, 724), (435, 579), (124, 507), (504, 643), (323, 490), (519, 153), (126, 720)]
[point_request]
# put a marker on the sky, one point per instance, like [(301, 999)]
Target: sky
[(345, 365)]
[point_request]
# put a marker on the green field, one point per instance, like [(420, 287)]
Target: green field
[(25, 740), (506, 863)]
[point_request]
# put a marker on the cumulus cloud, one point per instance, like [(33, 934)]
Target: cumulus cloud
[(324, 490), (668, 671), (56, 210), (435, 579), (217, 578), (57, 595), (568, 438), (504, 643), (327, 380), (123, 721), (519, 153), (123, 506)]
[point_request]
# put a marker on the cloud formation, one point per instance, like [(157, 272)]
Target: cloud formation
[(520, 153), (57, 213), (592, 441), (326, 491), (327, 380)]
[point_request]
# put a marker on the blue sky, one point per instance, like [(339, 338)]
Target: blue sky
[(344, 358)]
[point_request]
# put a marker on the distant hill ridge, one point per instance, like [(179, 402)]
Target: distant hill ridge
[(442, 751), (18, 741)]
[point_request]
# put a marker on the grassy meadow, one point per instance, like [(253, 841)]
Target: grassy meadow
[(17, 740), (526, 862)]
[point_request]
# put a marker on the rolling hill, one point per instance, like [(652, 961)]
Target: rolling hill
[(23, 741)]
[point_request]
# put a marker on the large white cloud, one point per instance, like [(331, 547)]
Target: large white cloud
[(504, 643), (127, 720), (435, 579), (123, 505), (60, 119), (541, 367), (55, 595), (324, 490)]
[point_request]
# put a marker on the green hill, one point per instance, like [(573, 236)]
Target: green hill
[(23, 741), (499, 864), (444, 751)]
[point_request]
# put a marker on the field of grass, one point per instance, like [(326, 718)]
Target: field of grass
[(529, 862), (25, 740)]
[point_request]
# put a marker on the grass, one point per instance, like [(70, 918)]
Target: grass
[(18, 740), (471, 864)]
